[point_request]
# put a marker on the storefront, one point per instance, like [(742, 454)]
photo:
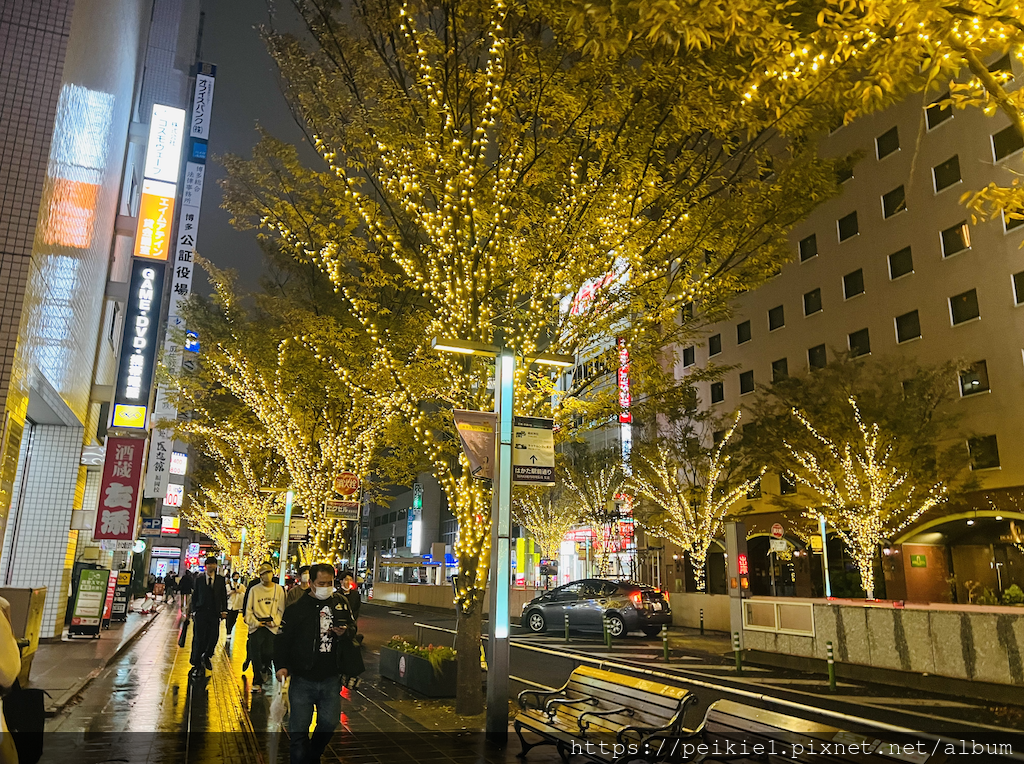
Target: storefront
[(164, 560)]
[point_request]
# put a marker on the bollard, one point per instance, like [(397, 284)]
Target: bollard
[(607, 634), (702, 622), (566, 627), (831, 667), (664, 641), (736, 652)]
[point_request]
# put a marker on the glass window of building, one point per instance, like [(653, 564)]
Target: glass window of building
[(754, 492), (974, 379), (860, 343), (1013, 221), (812, 302), (956, 239), (844, 173), (853, 283), (908, 327), (893, 202), (717, 392), (984, 452), (947, 173), (808, 248), (780, 369), (1018, 288), (935, 114), (1006, 142), (689, 356), (746, 382), (901, 263), (848, 226), (776, 318), (714, 344), (887, 142), (816, 357), (743, 332), (964, 307)]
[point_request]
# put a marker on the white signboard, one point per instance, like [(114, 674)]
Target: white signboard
[(777, 545), (163, 155), (201, 105), (533, 451)]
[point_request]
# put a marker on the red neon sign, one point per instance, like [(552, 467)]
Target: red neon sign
[(741, 560), (625, 399)]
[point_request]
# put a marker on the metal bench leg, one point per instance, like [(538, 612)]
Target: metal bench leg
[(527, 746)]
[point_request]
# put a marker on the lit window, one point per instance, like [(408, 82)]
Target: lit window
[(974, 379)]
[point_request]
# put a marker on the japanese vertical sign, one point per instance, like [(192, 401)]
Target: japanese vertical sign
[(119, 490), (625, 398), (182, 268)]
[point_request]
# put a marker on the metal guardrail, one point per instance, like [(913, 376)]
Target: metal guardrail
[(747, 694), (779, 616)]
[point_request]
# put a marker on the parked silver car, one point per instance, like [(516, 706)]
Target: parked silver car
[(628, 606)]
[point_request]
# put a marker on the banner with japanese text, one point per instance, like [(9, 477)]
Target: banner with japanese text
[(119, 490)]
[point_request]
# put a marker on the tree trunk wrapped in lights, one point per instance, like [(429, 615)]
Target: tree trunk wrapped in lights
[(690, 496), (866, 498)]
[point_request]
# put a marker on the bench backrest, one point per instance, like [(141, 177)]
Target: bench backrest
[(794, 738), (654, 704)]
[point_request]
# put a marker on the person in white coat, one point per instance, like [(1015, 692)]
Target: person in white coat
[(263, 613), (236, 598), (10, 667)]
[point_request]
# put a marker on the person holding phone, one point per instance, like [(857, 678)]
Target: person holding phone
[(263, 613)]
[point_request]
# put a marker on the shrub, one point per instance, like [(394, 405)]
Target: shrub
[(436, 654), (988, 597), (1013, 596)]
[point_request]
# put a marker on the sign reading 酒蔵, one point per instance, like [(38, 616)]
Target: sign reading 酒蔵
[(119, 489)]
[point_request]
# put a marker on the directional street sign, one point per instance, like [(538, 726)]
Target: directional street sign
[(533, 451)]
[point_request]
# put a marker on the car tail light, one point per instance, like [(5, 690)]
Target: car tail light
[(636, 599)]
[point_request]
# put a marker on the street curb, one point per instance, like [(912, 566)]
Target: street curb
[(69, 694)]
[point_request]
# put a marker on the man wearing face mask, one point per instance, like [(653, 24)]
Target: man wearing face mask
[(300, 589), (263, 613), (310, 650)]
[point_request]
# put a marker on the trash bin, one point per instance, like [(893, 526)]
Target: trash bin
[(27, 620)]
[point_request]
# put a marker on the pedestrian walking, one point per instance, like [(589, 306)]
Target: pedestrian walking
[(185, 589), (351, 593), (301, 587), (236, 596), (209, 604), (170, 586), (309, 650), (263, 614)]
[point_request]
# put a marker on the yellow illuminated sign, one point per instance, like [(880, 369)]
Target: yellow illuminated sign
[(153, 238), (129, 416)]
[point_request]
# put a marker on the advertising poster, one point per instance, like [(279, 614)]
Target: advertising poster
[(88, 610), (119, 609)]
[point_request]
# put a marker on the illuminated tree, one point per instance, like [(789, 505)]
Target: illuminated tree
[(547, 517), (689, 489)]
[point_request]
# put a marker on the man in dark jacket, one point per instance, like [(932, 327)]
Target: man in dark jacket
[(311, 650), (209, 603)]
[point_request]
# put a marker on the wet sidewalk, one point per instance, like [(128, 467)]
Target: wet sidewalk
[(64, 668)]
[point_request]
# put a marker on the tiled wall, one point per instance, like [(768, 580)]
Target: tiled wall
[(47, 497), (5, 557)]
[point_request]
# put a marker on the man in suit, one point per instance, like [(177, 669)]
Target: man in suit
[(209, 603)]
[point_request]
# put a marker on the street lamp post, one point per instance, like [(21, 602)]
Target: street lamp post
[(289, 496), (501, 521)]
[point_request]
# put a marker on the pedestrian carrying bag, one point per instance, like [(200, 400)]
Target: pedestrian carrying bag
[(280, 706), (184, 633)]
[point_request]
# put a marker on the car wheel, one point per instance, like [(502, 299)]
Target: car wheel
[(652, 631), (535, 622), (616, 626)]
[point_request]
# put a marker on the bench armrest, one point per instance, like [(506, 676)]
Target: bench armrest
[(551, 705), (584, 725), (540, 698)]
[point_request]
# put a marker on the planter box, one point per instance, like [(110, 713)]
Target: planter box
[(418, 674)]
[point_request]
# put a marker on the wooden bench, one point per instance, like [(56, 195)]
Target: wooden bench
[(601, 715), (733, 732)]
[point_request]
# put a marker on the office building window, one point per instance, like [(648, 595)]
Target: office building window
[(743, 332), (956, 239), (687, 312), (787, 485), (1009, 223), (964, 307), (776, 318), (974, 379), (848, 226), (816, 357), (844, 173), (853, 283), (1006, 142), (689, 356), (715, 344), (812, 302), (717, 392), (1018, 288), (780, 369), (984, 452), (908, 326), (746, 382), (893, 202), (901, 263), (947, 173), (887, 142), (935, 114), (860, 343), (808, 248)]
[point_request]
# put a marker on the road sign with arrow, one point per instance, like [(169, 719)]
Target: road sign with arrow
[(533, 451)]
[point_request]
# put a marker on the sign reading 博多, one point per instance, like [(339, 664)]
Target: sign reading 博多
[(138, 345), (119, 489), (533, 451)]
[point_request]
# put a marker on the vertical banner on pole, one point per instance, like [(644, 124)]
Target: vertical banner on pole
[(119, 490)]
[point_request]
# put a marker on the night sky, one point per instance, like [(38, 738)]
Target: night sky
[(247, 94)]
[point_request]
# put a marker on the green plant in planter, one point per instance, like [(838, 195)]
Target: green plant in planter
[(436, 654), (988, 597), (1013, 596)]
